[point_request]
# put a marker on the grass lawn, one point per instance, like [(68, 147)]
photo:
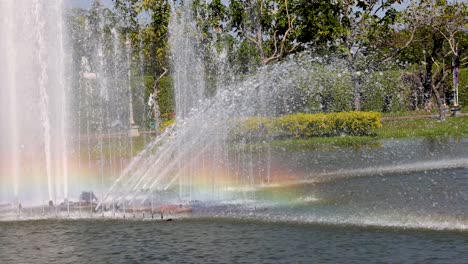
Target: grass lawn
[(113, 147), (425, 127)]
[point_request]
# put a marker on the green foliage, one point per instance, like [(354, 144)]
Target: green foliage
[(303, 125), (209, 16), (382, 91), (364, 24), (165, 95), (245, 58), (436, 39), (150, 35), (385, 91), (463, 89), (141, 89), (426, 128), (277, 28), (335, 91), (255, 127), (253, 32), (267, 24), (166, 123), (317, 23)]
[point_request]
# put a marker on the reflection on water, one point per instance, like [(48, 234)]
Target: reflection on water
[(435, 199), (390, 153), (222, 241)]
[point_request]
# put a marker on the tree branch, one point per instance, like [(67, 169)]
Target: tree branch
[(156, 82)]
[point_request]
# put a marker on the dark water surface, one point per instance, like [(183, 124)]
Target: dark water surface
[(222, 241)]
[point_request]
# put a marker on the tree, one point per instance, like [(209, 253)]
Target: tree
[(438, 27), (267, 24), (364, 23), (150, 39), (317, 24)]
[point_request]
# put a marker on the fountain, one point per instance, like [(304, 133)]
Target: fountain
[(71, 149), (202, 164), (59, 118), (212, 186), (196, 156), (202, 159), (34, 103)]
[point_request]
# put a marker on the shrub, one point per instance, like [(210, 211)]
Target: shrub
[(385, 91), (463, 89), (336, 92), (302, 125), (253, 127), (165, 124), (354, 123), (331, 90), (327, 90)]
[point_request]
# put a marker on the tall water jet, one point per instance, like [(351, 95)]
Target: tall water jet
[(106, 88), (187, 64), (189, 81), (34, 103)]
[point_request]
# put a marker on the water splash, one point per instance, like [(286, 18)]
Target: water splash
[(34, 101), (197, 158)]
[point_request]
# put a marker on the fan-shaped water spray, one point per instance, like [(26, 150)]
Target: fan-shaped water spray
[(197, 156)]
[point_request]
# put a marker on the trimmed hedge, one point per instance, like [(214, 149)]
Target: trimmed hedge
[(308, 125)]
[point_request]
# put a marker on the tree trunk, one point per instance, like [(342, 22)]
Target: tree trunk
[(156, 110), (440, 104), (427, 80), (356, 92), (456, 64), (437, 43), (156, 113), (355, 82)]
